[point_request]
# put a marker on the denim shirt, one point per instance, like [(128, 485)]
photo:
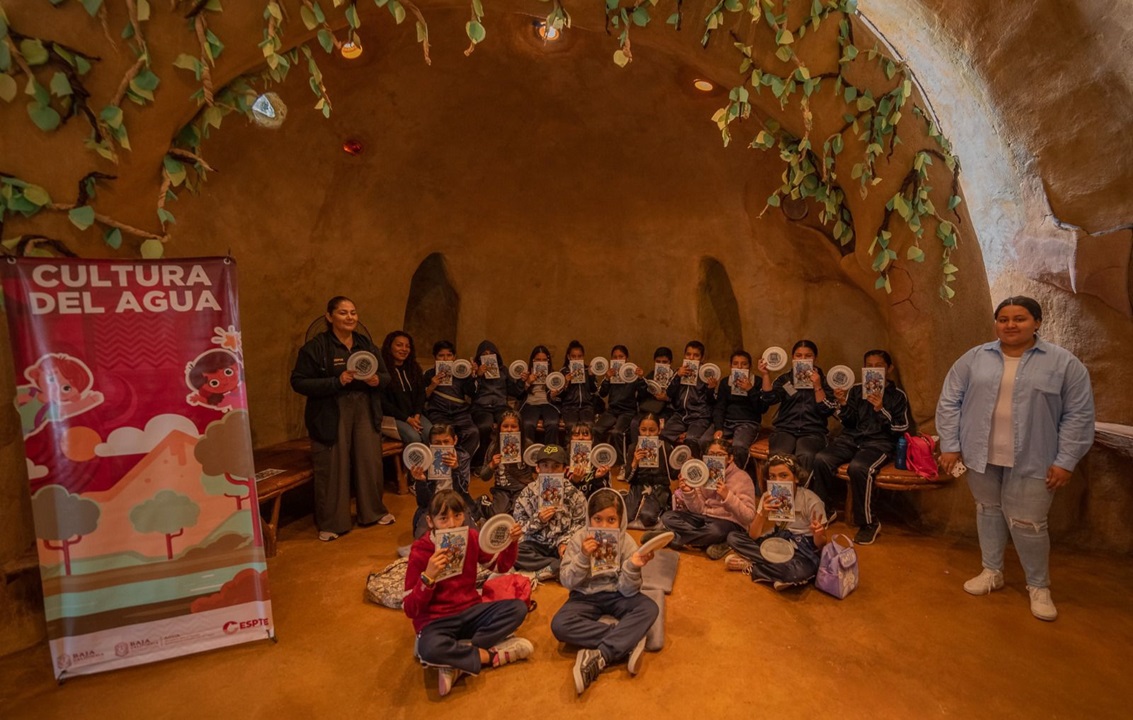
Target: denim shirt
[(1052, 408)]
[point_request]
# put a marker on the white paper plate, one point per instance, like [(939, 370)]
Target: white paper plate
[(776, 358), (461, 368), (363, 364), (556, 380), (840, 377), (603, 455), (654, 387), (628, 372), (655, 543), (516, 369), (695, 473), (777, 549), (531, 453), (679, 456), (709, 371), (599, 366), (495, 534), (417, 455)]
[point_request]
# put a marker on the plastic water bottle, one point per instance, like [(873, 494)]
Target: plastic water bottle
[(901, 461)]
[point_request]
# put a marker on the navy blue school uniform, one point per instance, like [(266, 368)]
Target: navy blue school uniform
[(621, 406), (650, 489), (452, 405), (692, 414), (508, 480), (426, 489), (739, 417), (577, 400), (537, 403), (490, 397), (648, 404), (868, 441), (800, 426)]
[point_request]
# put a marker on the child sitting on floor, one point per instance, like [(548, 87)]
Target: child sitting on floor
[(616, 592), (548, 521), (456, 630), (459, 463), (511, 477), (595, 478), (649, 487), (807, 531), (704, 517)]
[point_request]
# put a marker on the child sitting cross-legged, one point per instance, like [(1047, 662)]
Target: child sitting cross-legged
[(704, 517), (548, 510), (602, 569), (807, 532), (456, 630)]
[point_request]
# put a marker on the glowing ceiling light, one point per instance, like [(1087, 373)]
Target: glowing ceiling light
[(703, 85), (351, 49), (548, 32)]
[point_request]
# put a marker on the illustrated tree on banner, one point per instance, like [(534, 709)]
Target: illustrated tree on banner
[(64, 518), (225, 455), (168, 513)]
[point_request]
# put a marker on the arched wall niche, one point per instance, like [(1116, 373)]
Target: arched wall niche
[(717, 312), (432, 309)]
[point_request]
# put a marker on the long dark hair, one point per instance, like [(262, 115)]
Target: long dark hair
[(535, 351), (806, 344), (891, 373), (410, 366), (446, 501), (571, 346), (602, 499)]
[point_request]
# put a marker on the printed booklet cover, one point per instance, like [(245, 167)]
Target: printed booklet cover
[(510, 451), (873, 381), (739, 375), (716, 465), (577, 372), (437, 469), (539, 369), (663, 374), (580, 456), (453, 541), (801, 376), (691, 378), (604, 561), (784, 492), (551, 489), (491, 363), (652, 447), (444, 373)]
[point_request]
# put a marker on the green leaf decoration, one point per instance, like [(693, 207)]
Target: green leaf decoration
[(82, 217), (33, 51), (953, 202), (175, 169), (640, 17), (37, 195), (773, 201), (112, 116), (44, 116), (5, 57), (915, 254), (620, 58), (186, 62), (397, 11), (113, 238), (352, 17), (60, 85), (143, 10), (476, 32), (165, 216), (147, 79), (92, 6), (8, 88), (153, 249), (326, 40)]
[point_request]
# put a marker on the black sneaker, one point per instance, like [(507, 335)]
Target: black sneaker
[(867, 534), (587, 666)]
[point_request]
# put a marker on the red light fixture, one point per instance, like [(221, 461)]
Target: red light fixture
[(353, 147)]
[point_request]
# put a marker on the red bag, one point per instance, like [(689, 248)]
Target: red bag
[(920, 456), (511, 586)]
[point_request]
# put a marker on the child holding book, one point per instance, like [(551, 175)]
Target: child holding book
[(538, 401), (650, 402), (805, 529), (456, 630), (509, 477), (692, 400), (872, 422), (577, 399), (548, 510), (615, 589), (800, 426), (449, 399), (703, 517), (493, 388), (739, 409), (621, 404), (458, 462), (649, 485), (592, 478)]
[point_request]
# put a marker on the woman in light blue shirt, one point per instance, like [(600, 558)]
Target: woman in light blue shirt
[(1019, 413)]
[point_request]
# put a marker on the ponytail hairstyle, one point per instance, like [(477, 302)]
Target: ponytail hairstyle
[(572, 345)]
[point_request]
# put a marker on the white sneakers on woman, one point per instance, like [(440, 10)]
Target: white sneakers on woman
[(988, 581)]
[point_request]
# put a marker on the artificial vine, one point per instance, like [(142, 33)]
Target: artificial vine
[(814, 167)]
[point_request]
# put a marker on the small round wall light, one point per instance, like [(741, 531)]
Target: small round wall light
[(351, 49), (547, 32), (353, 147), (703, 85)]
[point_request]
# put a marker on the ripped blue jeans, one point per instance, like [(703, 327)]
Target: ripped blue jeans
[(1009, 503)]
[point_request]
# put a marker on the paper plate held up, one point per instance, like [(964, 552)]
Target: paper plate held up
[(840, 377), (461, 369), (709, 371), (775, 357), (679, 456), (695, 473), (603, 455), (655, 543), (363, 364), (599, 366), (495, 534), (417, 455), (531, 453), (517, 368), (556, 381), (628, 372)]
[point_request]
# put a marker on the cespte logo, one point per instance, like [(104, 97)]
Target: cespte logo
[(234, 626)]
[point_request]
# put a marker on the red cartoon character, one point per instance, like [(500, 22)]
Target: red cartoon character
[(214, 378), (59, 387)]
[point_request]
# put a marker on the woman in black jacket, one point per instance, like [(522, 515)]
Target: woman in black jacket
[(344, 419), (404, 396)]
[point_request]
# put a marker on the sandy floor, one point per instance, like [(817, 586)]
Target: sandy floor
[(908, 644)]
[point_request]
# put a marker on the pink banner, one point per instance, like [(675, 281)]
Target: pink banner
[(130, 391)]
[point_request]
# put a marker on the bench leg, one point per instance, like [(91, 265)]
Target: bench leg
[(270, 528), (402, 480)]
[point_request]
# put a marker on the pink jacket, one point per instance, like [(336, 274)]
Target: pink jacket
[(739, 507)]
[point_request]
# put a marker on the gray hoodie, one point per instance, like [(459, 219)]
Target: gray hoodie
[(574, 574)]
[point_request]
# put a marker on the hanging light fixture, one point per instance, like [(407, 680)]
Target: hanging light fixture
[(547, 33), (351, 49), (353, 147), (703, 85)]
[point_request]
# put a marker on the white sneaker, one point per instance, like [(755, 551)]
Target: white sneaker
[(510, 650), (634, 663), (446, 678), (737, 563), (985, 583), (1042, 606)]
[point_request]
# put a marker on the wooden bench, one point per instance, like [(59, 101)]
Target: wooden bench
[(22, 563), (888, 478), (287, 466)]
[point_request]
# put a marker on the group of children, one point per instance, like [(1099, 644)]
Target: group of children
[(556, 537)]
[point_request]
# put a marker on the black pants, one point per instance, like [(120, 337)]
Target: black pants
[(530, 415), (456, 640), (645, 503), (612, 429), (576, 414), (577, 623), (698, 530), (864, 462), (536, 556), (698, 433), (799, 570), (485, 418), (804, 447)]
